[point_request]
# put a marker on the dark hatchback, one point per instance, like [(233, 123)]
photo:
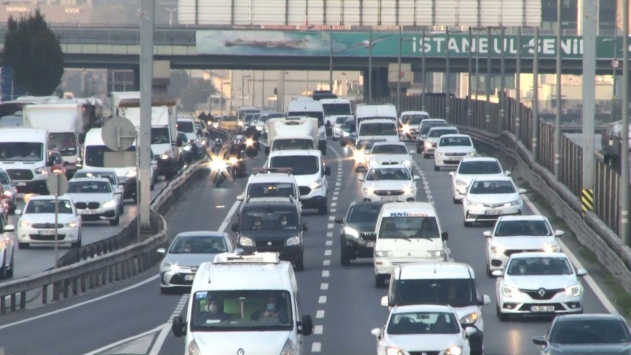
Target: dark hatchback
[(586, 334), (272, 225), (357, 238)]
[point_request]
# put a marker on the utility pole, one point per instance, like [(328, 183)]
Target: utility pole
[(477, 65), (331, 58), (447, 77), (502, 95), (624, 156), (590, 18), (470, 70), (370, 65), (423, 73), (518, 85), (144, 140), (535, 98), (557, 118), (399, 70), (487, 109)]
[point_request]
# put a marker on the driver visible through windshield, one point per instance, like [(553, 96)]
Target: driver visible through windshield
[(409, 227), (299, 164)]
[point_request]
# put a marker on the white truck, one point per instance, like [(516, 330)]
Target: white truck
[(292, 134), (334, 109), (309, 107), (377, 122), (64, 124), (24, 156), (164, 142)]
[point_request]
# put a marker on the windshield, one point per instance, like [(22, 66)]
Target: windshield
[(589, 331), (240, 311), (248, 117), (263, 118), (367, 144), (341, 120), (198, 244), (110, 176), (479, 168), (94, 155), (378, 129), (409, 227), (337, 109), (244, 113), (186, 126), (16, 151), (4, 178), (379, 174), (269, 218), (271, 189), (292, 144), (435, 133), (349, 127), (364, 213), (452, 292), (229, 119), (276, 115), (427, 127), (389, 149), (89, 187), (315, 114), (413, 120), (256, 117), (160, 135), (523, 228), (65, 143), (423, 323), (492, 187), (531, 266), (455, 142), (299, 164), (48, 206)]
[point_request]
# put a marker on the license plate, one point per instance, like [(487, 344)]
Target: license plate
[(494, 212), (370, 245), (542, 308), (19, 183), (453, 158), (189, 277), (388, 199), (46, 232)]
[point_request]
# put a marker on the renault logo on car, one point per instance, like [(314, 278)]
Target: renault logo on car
[(389, 193), (541, 292), (240, 352), (269, 243)]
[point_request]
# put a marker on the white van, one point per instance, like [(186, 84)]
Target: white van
[(407, 232), (271, 183), (307, 166), (377, 122), (335, 111), (24, 156), (310, 108), (244, 304)]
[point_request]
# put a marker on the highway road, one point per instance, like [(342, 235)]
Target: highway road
[(132, 317)]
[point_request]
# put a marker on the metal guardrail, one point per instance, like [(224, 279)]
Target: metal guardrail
[(99, 269)]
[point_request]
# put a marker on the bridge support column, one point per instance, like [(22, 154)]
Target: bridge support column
[(380, 83)]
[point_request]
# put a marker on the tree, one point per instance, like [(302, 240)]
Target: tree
[(33, 52), (191, 91)]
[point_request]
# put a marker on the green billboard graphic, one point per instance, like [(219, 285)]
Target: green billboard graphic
[(357, 44)]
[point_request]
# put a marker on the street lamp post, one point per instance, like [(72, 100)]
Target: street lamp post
[(401, 40), (535, 98), (423, 73), (488, 78), (518, 85), (331, 58), (370, 65), (447, 77), (557, 119), (624, 156), (470, 69), (502, 96)]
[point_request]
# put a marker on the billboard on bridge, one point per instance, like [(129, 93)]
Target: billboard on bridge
[(356, 44)]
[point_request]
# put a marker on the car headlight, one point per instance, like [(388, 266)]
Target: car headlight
[(72, 224), (461, 183), (193, 349), (497, 249), (41, 171), (373, 163), (109, 204), (131, 173), (428, 145), (508, 291), (359, 156), (187, 148), (240, 123), (209, 122), (438, 154), (512, 203), (293, 241), (246, 242), (249, 142), (408, 189), (473, 204), (316, 184), (383, 254), (8, 193), (24, 224), (406, 129), (215, 124), (573, 291), (407, 163), (548, 248), (289, 348), (351, 232), (434, 253), (368, 190), (394, 351), (473, 154), (470, 318), (454, 350), (165, 156)]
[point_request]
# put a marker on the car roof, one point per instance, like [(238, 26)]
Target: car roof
[(48, 197), (438, 270), (269, 276), (89, 179), (423, 308), (389, 143), (433, 120), (377, 120), (376, 167), (365, 203), (269, 201), (271, 177), (303, 152), (443, 127), (532, 217), (201, 233), (414, 113), (454, 135), (588, 316), (409, 207), (537, 254), (493, 178), (472, 159)]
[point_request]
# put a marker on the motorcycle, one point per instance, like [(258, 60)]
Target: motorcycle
[(236, 165), (218, 169)]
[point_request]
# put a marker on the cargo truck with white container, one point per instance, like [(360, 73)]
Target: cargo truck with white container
[(310, 108), (293, 134), (24, 156), (64, 124), (333, 109)]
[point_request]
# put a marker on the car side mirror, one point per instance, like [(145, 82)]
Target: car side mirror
[(266, 150), (235, 227), (384, 301), (376, 332), (487, 234), (360, 179), (18, 212), (306, 325), (327, 171), (444, 235), (539, 341), (451, 173), (305, 227), (339, 220), (559, 233), (9, 228), (498, 273), (179, 142), (522, 191), (507, 173), (581, 272), (161, 251), (178, 327), (486, 300), (240, 197), (470, 330), (417, 178)]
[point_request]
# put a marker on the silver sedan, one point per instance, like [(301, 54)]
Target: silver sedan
[(187, 251)]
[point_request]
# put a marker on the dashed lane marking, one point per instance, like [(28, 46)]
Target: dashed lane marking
[(325, 273), (326, 262), (320, 314), (327, 252), (318, 329), (322, 299), (324, 286)]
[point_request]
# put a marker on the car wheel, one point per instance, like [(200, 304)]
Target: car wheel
[(300, 264), (116, 221), (380, 281), (426, 156), (419, 150), (477, 345), (501, 316), (468, 224), (345, 260), (9, 273), (456, 201), (3, 268), (436, 168), (323, 209), (77, 244), (489, 272), (23, 245)]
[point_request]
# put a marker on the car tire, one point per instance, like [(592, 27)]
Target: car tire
[(345, 260), (426, 156), (3, 268), (436, 168), (419, 150), (23, 245), (116, 221), (323, 209), (76, 244), (456, 201), (380, 281), (9, 273), (477, 346), (501, 316), (300, 264), (468, 224), (165, 290), (342, 143), (121, 209), (489, 273)]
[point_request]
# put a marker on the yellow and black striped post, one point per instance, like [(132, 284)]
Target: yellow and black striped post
[(587, 200)]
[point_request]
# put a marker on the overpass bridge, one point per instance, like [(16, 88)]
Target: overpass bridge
[(308, 47)]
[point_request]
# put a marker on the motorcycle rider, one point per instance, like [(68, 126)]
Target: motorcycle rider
[(236, 150), (218, 147)]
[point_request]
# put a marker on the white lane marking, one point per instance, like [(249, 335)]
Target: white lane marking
[(316, 347), (330, 226), (329, 243), (324, 286), (333, 204), (322, 299), (326, 262), (320, 314), (331, 218), (334, 198), (338, 184), (162, 337), (228, 218), (27, 320), (329, 234), (588, 279), (325, 273), (107, 347), (327, 252), (333, 210), (318, 329)]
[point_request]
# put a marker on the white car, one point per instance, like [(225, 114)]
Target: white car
[(389, 153), (470, 169), (338, 126), (361, 153), (7, 248), (433, 136), (517, 234), (451, 149), (424, 329), (410, 122), (95, 199), (37, 222), (491, 197), (538, 284), (389, 183)]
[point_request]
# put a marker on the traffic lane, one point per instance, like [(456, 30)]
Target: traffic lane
[(38, 258), (468, 246), (354, 306), (144, 307), (309, 280)]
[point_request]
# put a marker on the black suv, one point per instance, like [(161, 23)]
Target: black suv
[(272, 225), (357, 238)]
